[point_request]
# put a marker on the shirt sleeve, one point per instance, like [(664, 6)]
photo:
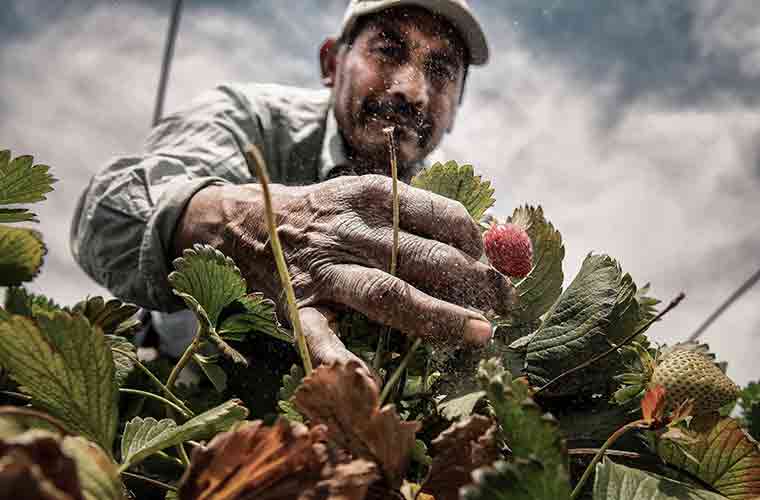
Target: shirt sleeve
[(122, 230)]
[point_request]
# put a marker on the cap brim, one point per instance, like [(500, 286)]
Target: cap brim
[(463, 20)]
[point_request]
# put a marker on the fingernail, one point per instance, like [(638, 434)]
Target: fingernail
[(477, 332)]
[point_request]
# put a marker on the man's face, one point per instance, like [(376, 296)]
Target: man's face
[(404, 69)]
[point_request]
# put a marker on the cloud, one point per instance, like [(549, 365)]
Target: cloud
[(631, 124)]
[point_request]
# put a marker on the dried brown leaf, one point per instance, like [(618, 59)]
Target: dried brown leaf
[(465, 446), (32, 465), (256, 461), (346, 400)]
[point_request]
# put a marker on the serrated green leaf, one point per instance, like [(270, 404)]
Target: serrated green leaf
[(618, 482), (250, 315), (290, 382), (113, 316), (98, 474), (596, 311), (457, 182), (543, 285), (20, 182), (123, 364), (145, 436), (10, 215), (21, 255), (530, 433), (18, 300), (67, 368), (460, 406), (517, 480), (726, 458), (205, 278)]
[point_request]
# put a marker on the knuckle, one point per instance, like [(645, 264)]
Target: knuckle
[(375, 186), (376, 290)]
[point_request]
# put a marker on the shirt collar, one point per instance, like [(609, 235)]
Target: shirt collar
[(333, 160)]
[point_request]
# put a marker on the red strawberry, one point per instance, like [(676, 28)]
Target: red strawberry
[(509, 249)]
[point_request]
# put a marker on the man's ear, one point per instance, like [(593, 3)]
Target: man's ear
[(328, 58)]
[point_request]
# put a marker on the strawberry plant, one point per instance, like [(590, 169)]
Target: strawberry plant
[(545, 411)]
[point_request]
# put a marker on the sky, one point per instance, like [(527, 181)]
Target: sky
[(634, 123)]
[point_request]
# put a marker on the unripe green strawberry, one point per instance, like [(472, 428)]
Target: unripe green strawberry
[(509, 249), (688, 374)]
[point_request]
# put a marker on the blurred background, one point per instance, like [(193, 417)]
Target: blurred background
[(635, 124)]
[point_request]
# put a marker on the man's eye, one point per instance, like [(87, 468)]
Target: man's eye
[(389, 51), (441, 72)]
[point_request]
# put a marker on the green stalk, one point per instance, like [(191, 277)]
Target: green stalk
[(183, 455), (186, 356), (397, 374), (29, 412), (599, 454), (157, 398), (282, 267), (169, 394)]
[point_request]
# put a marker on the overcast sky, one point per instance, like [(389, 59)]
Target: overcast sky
[(634, 123)]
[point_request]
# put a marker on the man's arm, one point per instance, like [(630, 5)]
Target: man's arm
[(123, 227)]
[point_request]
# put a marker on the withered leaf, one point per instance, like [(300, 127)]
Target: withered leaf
[(32, 465), (465, 446), (256, 461), (343, 397)]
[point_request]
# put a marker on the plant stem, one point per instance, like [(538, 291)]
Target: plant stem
[(183, 455), (16, 395), (627, 340), (157, 398), (397, 374), (149, 480), (169, 394), (186, 356), (599, 454), (28, 412), (282, 268)]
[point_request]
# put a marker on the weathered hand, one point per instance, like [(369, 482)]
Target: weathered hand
[(337, 240)]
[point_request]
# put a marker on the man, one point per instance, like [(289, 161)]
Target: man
[(396, 63)]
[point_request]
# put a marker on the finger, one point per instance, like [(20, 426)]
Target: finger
[(319, 331), (438, 269), (422, 212), (389, 300)]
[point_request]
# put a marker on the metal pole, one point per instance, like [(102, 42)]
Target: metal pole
[(167, 61), (725, 305)]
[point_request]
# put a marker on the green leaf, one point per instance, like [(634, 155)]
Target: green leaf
[(112, 316), (530, 433), (9, 215), (20, 182), (726, 457), (250, 315), (749, 401), (207, 281), (460, 406), (457, 183), (521, 479), (618, 482), (123, 364), (213, 372), (146, 436), (290, 382), (18, 300), (21, 255), (596, 311), (98, 474), (543, 285), (67, 368)]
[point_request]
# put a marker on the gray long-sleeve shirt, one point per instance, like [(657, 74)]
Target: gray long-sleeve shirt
[(122, 229)]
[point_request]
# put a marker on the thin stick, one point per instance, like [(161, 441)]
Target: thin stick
[(169, 394), (397, 374), (610, 441), (282, 268), (149, 480), (157, 398), (389, 132), (16, 395), (627, 340), (28, 412)]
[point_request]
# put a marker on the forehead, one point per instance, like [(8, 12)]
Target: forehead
[(413, 25)]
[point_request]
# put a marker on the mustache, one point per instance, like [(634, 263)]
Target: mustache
[(401, 112)]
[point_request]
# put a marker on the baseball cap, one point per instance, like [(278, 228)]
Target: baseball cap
[(457, 12)]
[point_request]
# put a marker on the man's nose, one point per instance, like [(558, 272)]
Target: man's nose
[(409, 84)]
